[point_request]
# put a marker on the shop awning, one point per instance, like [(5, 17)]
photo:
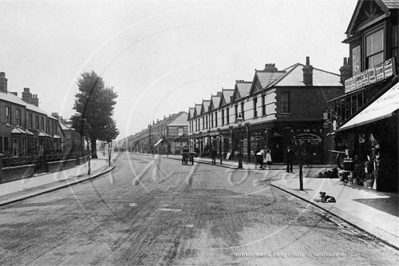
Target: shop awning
[(57, 136), (159, 141), (381, 108)]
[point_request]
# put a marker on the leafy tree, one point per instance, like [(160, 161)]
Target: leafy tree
[(94, 104)]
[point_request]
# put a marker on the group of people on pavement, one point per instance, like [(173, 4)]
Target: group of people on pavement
[(263, 156)]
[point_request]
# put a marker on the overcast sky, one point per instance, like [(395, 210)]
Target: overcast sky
[(162, 57)]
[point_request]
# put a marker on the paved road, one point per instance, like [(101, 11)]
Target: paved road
[(154, 211)]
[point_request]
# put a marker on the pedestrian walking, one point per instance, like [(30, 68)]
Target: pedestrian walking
[(268, 156), (259, 158), (289, 157), (213, 155)]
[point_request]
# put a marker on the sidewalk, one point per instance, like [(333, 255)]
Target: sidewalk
[(47, 182), (374, 212)]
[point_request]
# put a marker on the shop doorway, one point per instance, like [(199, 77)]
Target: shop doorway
[(278, 149)]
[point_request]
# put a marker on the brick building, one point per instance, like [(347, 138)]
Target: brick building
[(25, 128), (276, 106), (364, 121)]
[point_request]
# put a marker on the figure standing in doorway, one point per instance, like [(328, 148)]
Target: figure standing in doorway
[(289, 157)]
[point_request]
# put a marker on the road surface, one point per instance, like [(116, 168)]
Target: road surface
[(155, 211)]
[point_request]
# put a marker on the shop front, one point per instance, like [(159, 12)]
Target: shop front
[(370, 142)]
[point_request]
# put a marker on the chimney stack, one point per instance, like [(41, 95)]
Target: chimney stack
[(35, 100), (270, 68), (3, 82), (27, 95), (55, 115), (308, 73), (346, 71)]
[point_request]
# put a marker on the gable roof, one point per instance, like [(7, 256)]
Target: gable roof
[(262, 79), (205, 106), (226, 97), (384, 5), (179, 119), (215, 101), (294, 77), (241, 89), (197, 110), (190, 113)]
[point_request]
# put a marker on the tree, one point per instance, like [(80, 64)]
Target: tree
[(94, 104)]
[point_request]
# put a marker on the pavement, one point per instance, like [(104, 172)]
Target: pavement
[(47, 182), (374, 212), (365, 208)]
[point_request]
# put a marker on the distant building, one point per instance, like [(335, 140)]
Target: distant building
[(168, 135)]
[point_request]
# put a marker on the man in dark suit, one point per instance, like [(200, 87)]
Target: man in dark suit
[(289, 156)]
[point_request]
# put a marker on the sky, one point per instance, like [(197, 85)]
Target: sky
[(162, 56)]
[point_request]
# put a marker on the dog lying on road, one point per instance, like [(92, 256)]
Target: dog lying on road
[(325, 198)]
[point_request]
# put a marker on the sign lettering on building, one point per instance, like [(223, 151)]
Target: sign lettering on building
[(356, 67), (369, 76)]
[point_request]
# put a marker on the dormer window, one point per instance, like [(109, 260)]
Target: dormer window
[(375, 48)]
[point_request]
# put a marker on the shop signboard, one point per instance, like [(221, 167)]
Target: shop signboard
[(245, 146), (359, 80), (356, 67), (369, 76), (379, 71), (371, 73), (313, 139), (365, 78), (388, 68)]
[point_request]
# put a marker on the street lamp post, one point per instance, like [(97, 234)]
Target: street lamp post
[(298, 145), (239, 122)]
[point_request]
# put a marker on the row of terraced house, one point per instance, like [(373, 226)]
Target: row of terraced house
[(26, 129), (351, 116)]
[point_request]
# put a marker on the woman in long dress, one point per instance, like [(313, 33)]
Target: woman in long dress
[(268, 156)]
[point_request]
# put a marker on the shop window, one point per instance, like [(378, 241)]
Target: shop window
[(285, 102), (375, 48), (8, 115)]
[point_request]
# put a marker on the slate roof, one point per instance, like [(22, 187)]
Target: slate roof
[(266, 78), (226, 94), (215, 100), (9, 97), (243, 87), (205, 104), (391, 4), (294, 77)]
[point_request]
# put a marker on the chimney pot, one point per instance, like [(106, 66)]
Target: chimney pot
[(308, 73)]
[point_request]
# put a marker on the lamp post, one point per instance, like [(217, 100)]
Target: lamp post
[(298, 145), (239, 122)]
